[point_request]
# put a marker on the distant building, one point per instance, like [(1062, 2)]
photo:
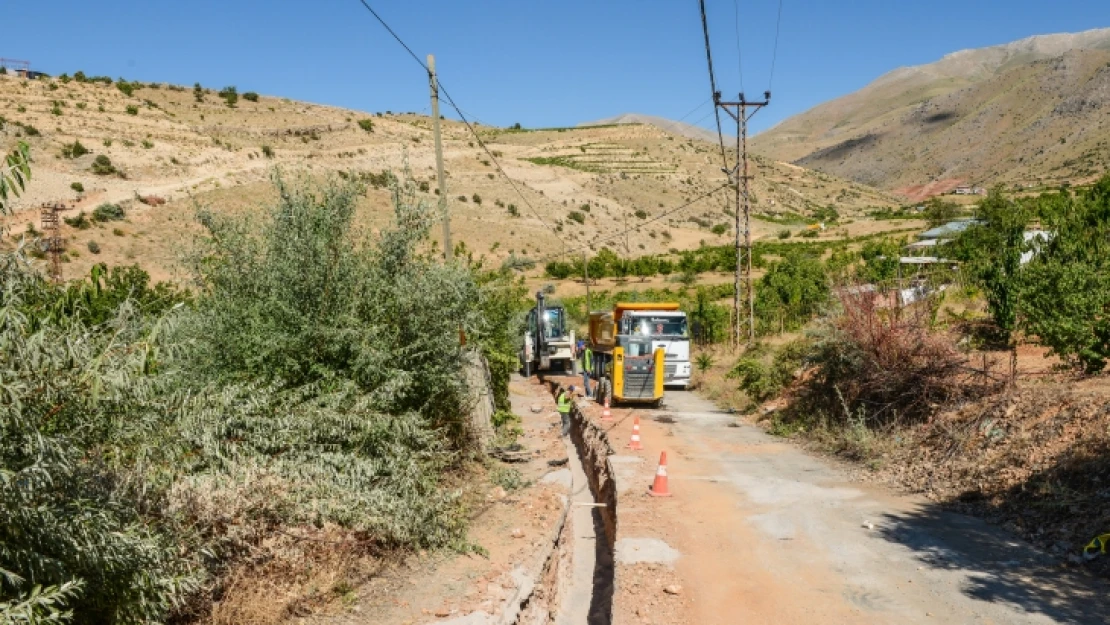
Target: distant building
[(969, 190)]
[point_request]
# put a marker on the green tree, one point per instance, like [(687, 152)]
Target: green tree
[(1065, 294), (558, 270), (939, 212), (645, 267), (880, 261), (791, 292), (991, 251)]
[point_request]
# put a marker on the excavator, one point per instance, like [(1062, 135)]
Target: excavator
[(548, 346)]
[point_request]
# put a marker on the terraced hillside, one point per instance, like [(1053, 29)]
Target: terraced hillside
[(192, 149)]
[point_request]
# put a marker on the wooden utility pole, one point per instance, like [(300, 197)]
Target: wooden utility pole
[(586, 277), (739, 175), (433, 84)]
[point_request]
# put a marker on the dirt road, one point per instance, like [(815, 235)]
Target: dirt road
[(766, 533)]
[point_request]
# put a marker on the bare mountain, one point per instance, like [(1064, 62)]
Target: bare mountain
[(678, 128), (1029, 112)]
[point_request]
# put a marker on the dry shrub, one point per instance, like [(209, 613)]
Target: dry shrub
[(291, 575), (879, 366)]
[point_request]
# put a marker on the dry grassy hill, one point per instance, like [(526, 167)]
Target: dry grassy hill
[(1032, 112), (167, 144)]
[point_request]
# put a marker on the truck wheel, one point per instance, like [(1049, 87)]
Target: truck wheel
[(604, 392)]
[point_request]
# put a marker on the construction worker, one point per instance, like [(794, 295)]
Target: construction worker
[(563, 404), (587, 367)]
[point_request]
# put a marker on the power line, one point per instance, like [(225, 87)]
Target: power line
[(703, 117), (696, 109), (713, 82), (775, 54), (395, 36), (451, 101), (493, 160), (616, 235)]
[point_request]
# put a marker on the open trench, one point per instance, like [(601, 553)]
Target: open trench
[(577, 584)]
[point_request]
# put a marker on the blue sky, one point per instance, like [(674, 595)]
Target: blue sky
[(550, 63)]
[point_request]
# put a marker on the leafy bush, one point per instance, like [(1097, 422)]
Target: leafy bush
[(513, 210), (132, 109), (153, 443), (763, 380), (558, 270), (74, 150), (79, 221), (108, 212), (147, 144), (576, 216), (332, 306), (102, 166), (94, 247), (719, 229), (783, 234), (704, 362), (366, 124), (77, 186), (127, 88), (198, 93), (69, 520), (477, 199), (250, 96), (826, 215), (230, 96)]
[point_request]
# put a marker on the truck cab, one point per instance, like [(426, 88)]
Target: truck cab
[(666, 328)]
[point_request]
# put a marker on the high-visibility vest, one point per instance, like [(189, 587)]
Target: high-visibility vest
[(563, 402), (588, 359)]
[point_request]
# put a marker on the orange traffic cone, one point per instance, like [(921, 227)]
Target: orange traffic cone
[(635, 443), (659, 488), (606, 414)]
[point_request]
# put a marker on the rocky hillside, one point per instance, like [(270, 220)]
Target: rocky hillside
[(1032, 112), (191, 148)]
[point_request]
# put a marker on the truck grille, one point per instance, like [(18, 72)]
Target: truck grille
[(669, 371), (639, 385)]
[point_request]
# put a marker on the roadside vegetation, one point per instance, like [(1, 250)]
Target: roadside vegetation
[(298, 410), (928, 395)]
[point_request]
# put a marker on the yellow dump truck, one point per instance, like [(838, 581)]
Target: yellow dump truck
[(625, 366)]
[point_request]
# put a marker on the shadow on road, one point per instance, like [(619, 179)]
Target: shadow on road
[(1001, 569)]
